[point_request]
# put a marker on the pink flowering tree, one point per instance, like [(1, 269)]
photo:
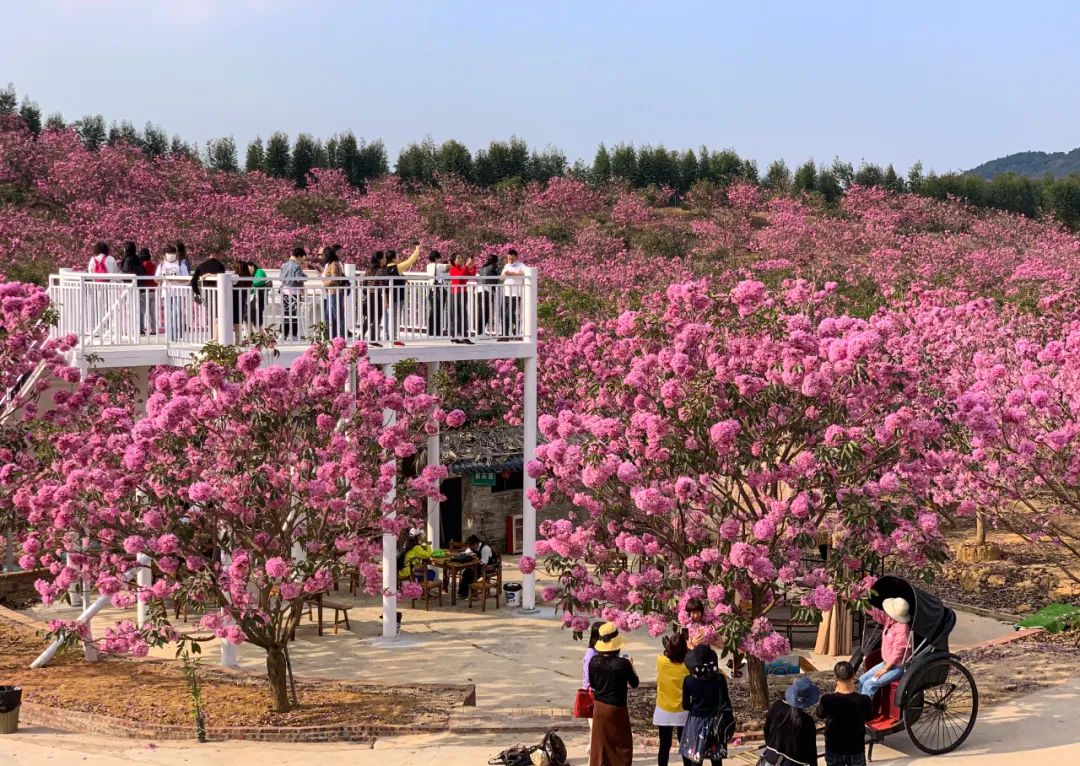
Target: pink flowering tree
[(1020, 417), (30, 361), (250, 489), (716, 437)]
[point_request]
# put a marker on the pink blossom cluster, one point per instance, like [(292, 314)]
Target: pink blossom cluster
[(721, 434), (250, 488)]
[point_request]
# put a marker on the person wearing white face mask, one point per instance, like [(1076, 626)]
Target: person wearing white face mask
[(172, 266)]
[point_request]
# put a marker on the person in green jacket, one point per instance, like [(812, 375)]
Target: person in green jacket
[(260, 285), (415, 552)]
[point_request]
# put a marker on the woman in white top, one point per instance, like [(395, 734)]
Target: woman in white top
[(101, 262), (172, 266)]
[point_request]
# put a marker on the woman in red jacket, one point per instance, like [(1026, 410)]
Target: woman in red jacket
[(459, 294)]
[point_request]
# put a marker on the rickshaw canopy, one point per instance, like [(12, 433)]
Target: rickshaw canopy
[(931, 620)]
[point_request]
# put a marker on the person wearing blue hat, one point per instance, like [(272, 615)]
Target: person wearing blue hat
[(790, 731)]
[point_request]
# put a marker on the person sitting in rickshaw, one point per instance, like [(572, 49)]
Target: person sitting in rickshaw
[(894, 615)]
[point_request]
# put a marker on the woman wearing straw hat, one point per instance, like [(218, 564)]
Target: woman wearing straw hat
[(895, 614), (610, 676), (790, 731)]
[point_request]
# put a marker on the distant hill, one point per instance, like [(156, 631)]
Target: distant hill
[(1032, 164)]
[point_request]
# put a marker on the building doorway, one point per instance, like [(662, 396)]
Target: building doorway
[(450, 512)]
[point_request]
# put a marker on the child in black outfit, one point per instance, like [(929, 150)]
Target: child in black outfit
[(845, 712), (710, 723)]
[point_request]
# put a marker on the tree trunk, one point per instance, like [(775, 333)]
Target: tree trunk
[(755, 667), (759, 685), (279, 685), (980, 528)]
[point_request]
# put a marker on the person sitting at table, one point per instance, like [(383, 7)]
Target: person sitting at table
[(481, 551), (415, 552)]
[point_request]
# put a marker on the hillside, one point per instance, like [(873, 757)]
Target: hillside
[(1031, 164)]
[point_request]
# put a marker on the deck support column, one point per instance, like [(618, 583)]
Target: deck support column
[(228, 650), (389, 562), (434, 457), (225, 335), (144, 578), (528, 512)]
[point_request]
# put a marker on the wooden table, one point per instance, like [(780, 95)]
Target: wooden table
[(452, 572)]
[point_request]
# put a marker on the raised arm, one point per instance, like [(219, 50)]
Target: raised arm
[(408, 263)]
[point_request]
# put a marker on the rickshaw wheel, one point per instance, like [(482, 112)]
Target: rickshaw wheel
[(940, 706)]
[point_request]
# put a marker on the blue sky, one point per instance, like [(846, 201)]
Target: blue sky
[(951, 83)]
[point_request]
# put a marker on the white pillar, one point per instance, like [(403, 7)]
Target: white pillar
[(351, 323), (389, 564), (86, 586), (530, 299), (228, 650), (144, 578), (528, 584), (86, 616), (224, 305), (434, 517)]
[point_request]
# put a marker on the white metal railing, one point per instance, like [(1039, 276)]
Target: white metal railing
[(120, 310)]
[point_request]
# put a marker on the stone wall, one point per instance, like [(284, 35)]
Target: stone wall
[(18, 587), (484, 512)]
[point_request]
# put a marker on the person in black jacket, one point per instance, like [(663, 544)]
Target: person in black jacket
[(487, 285), (845, 712), (204, 271), (710, 722), (610, 677), (790, 731), (210, 266), (131, 264)]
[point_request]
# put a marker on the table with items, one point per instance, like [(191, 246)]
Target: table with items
[(452, 567)]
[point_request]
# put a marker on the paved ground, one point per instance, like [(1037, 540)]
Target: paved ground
[(523, 667), (516, 662), (1038, 729)]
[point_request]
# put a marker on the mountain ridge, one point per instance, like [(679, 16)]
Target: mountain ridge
[(1032, 164)]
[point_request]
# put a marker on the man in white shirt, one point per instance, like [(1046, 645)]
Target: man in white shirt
[(101, 262), (513, 276), (438, 271), (483, 552)]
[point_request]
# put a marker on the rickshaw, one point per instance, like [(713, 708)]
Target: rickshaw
[(935, 699)]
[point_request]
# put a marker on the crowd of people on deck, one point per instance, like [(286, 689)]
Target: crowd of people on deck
[(694, 712), (465, 298)]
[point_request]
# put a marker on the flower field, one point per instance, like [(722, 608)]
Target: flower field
[(726, 383)]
